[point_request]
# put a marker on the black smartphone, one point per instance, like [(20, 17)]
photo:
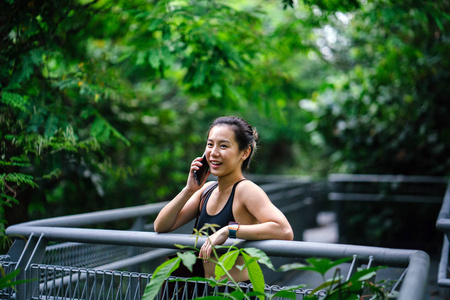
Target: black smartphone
[(200, 174)]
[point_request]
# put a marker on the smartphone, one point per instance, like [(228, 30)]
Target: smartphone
[(200, 174)]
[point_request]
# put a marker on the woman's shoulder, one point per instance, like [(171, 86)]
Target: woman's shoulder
[(248, 187), (208, 186)]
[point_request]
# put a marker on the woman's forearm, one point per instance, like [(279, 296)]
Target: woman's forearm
[(168, 216), (265, 231)]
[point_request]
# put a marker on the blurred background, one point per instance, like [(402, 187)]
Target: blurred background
[(104, 104)]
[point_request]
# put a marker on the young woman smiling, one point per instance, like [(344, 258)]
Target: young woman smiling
[(240, 207)]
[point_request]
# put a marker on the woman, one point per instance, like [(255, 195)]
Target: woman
[(230, 146)]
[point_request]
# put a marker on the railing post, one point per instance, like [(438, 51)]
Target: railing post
[(33, 252), (415, 283)]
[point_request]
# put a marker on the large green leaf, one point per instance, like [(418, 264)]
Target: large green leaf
[(161, 273), (261, 255), (188, 259), (255, 273), (226, 262)]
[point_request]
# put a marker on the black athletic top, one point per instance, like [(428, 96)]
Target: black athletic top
[(223, 217)]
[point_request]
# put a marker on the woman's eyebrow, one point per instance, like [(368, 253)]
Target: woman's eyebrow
[(220, 141)]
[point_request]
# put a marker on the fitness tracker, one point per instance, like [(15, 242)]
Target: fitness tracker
[(232, 228)]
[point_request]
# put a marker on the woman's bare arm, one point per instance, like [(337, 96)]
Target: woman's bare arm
[(273, 224), (270, 221), (183, 208)]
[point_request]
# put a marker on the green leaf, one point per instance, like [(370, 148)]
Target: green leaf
[(161, 273), (365, 274), (285, 294), (292, 266), (6, 279), (255, 273), (261, 255), (188, 258), (101, 129), (323, 265), (329, 283), (226, 261), (214, 298)]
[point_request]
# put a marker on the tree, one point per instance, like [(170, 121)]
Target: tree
[(385, 111), (103, 103), (83, 81)]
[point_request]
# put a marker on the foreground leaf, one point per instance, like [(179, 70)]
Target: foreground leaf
[(255, 273), (261, 255), (161, 273), (188, 259), (226, 261)]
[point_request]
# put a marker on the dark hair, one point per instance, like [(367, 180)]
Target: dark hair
[(245, 135)]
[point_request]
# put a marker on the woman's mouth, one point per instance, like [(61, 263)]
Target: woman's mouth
[(215, 164)]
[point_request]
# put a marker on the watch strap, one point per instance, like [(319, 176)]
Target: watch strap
[(232, 229)]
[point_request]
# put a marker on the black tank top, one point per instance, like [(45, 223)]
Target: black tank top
[(223, 217)]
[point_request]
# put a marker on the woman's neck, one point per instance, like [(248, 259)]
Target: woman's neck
[(225, 182)]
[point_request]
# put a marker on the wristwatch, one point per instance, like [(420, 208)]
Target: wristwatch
[(232, 228)]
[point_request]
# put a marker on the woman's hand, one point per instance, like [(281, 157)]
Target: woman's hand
[(191, 182), (218, 238)]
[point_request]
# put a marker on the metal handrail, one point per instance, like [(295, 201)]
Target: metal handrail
[(62, 229), (100, 216), (443, 224), (413, 287)]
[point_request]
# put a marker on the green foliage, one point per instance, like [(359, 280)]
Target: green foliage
[(7, 280), (98, 92), (252, 260), (105, 103), (384, 112), (359, 285)]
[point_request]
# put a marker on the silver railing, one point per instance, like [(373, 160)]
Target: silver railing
[(413, 286), (443, 224), (61, 239)]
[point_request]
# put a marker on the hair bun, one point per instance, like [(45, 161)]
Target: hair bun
[(255, 135)]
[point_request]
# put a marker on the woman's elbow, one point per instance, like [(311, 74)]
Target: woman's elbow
[(288, 234), (158, 228)]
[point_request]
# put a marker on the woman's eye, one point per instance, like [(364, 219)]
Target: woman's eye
[(223, 146)]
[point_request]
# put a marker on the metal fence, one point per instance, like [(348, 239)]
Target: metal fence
[(78, 283), (443, 224), (86, 263)]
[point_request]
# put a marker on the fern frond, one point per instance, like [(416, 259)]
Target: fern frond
[(19, 179), (15, 100)]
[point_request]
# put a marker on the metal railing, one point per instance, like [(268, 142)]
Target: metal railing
[(398, 200), (413, 285), (66, 273), (443, 224)]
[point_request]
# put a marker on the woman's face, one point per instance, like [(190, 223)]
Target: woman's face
[(222, 151)]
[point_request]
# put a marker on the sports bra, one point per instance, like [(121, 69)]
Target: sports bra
[(223, 217)]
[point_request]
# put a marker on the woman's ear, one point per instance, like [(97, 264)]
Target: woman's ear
[(246, 153)]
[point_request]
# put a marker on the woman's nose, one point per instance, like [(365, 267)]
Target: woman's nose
[(214, 151)]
